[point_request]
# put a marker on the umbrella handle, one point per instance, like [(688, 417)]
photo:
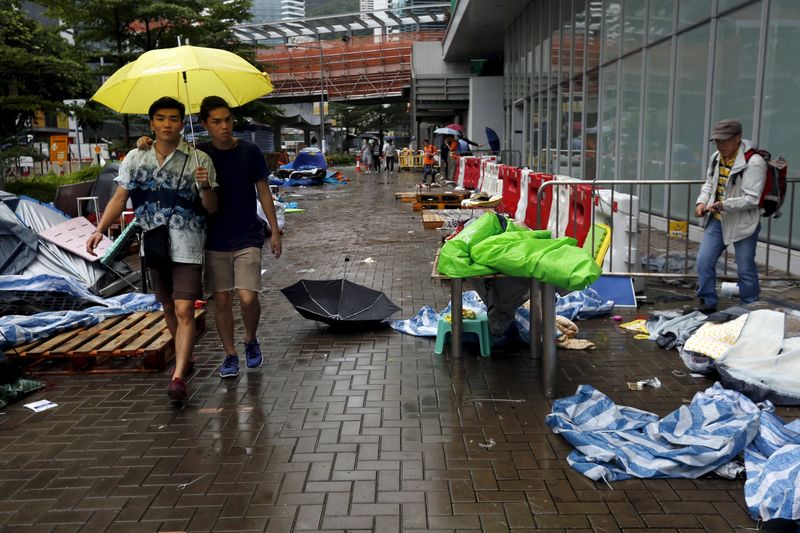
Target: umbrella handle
[(191, 124)]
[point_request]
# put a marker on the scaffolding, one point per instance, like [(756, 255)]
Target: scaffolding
[(374, 66)]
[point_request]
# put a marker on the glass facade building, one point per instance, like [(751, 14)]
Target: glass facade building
[(629, 89)]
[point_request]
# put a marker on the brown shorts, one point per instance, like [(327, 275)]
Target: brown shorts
[(181, 282), (240, 269)]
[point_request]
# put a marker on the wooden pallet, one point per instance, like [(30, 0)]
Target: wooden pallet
[(442, 197), (405, 197), (421, 206), (139, 342)]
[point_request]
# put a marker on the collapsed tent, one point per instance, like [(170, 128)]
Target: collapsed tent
[(27, 219)]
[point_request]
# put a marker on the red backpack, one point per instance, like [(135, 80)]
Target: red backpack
[(774, 192)]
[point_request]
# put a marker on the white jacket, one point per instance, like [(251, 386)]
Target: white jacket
[(740, 211)]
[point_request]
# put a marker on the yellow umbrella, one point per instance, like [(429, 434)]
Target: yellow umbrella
[(172, 71)]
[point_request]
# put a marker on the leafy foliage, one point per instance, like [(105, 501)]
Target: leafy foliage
[(44, 187), (370, 117), (38, 69)]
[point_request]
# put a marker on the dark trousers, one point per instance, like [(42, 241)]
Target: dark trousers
[(390, 163)]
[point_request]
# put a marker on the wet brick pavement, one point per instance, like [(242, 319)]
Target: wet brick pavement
[(368, 431)]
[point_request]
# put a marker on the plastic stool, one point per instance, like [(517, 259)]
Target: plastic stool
[(478, 326)]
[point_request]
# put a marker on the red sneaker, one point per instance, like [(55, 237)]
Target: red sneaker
[(177, 390)]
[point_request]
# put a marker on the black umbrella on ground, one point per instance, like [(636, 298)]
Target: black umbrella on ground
[(340, 303)]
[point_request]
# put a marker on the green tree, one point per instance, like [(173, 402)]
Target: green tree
[(38, 70), (361, 118)]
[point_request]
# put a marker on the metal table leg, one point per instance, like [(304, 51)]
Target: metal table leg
[(549, 358), (535, 319), (455, 314)]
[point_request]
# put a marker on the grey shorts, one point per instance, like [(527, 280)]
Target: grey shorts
[(240, 269)]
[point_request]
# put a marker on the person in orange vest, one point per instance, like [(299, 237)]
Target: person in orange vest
[(429, 151)]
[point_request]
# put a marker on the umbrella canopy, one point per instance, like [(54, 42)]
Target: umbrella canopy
[(339, 302), (457, 127), (157, 73), (446, 131), (494, 140)]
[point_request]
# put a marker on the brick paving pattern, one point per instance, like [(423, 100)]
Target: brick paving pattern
[(346, 432)]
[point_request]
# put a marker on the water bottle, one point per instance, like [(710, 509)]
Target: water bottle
[(729, 289)]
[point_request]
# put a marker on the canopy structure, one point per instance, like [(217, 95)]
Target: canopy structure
[(417, 17)]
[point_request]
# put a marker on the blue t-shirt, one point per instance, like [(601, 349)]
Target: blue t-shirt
[(236, 224)]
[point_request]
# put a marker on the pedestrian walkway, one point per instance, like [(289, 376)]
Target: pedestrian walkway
[(362, 431)]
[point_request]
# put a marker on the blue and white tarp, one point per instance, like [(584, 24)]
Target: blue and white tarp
[(580, 305), (772, 460), (426, 322), (576, 305), (20, 329), (616, 442)]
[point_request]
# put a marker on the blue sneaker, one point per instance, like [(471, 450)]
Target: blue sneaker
[(229, 367), (252, 354)]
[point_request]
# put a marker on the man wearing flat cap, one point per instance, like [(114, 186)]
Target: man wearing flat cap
[(728, 202)]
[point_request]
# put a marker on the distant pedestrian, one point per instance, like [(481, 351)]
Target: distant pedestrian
[(376, 155), (429, 151), (444, 157), (729, 202), (366, 156), (463, 147), (390, 155)]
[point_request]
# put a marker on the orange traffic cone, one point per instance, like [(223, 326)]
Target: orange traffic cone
[(358, 164)]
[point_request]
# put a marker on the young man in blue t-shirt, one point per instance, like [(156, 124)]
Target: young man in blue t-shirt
[(235, 233)]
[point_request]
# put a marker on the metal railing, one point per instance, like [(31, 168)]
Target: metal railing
[(778, 258)]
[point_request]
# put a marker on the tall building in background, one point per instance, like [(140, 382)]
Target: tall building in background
[(272, 10), (293, 9), (373, 5), (402, 4)]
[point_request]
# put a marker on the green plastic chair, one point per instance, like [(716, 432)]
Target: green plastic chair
[(479, 326)]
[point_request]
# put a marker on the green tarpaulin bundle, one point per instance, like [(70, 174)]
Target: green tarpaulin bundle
[(493, 244)]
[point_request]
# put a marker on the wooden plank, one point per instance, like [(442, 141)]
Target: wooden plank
[(103, 338), (158, 344), (144, 338), (144, 321), (72, 340)]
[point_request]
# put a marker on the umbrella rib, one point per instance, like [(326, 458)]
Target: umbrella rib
[(337, 315)]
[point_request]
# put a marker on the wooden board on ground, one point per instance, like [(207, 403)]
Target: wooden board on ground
[(449, 219), (405, 197), (139, 342), (432, 220)]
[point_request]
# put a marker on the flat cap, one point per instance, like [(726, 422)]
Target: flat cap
[(726, 129)]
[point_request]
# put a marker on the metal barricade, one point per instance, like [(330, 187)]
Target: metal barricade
[(663, 221), (506, 157), (409, 161)]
